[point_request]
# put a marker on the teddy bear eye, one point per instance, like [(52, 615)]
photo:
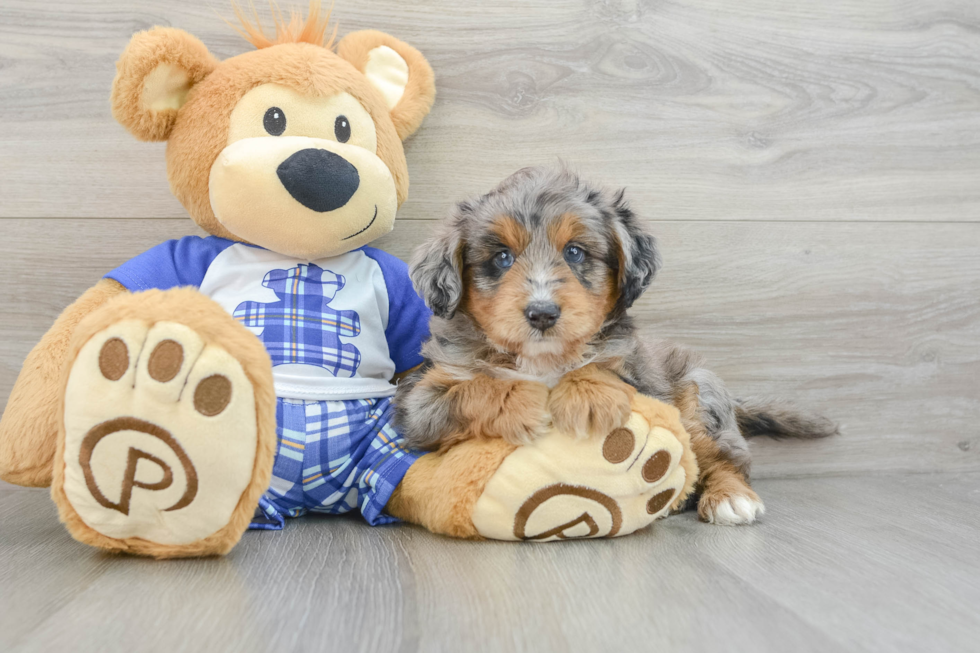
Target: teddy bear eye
[(341, 129), (274, 121)]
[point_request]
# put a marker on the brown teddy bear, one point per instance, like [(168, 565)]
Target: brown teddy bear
[(213, 383)]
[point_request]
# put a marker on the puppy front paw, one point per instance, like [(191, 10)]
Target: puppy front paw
[(730, 509), (590, 401), (521, 415)]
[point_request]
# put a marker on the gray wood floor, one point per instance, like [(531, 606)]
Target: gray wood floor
[(812, 170), (838, 564)]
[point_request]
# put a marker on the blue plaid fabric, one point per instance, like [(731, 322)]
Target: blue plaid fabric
[(301, 327), (334, 457)]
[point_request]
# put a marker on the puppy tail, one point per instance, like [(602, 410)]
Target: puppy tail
[(780, 421)]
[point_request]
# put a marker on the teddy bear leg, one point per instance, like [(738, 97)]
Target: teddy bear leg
[(565, 487), (441, 489), (167, 433), (29, 426), (559, 487)]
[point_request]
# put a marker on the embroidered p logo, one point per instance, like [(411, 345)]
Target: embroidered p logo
[(130, 480), (576, 499)]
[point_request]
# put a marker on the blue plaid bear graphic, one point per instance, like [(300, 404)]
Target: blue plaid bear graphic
[(301, 327)]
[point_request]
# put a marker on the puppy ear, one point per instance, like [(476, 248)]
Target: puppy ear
[(153, 76), (638, 256), (437, 272), (399, 72)]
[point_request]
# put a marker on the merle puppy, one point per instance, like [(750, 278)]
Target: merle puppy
[(530, 285)]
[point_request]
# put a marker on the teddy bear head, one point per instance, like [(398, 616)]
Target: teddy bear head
[(296, 146)]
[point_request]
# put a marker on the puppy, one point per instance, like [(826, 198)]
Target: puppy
[(530, 285)]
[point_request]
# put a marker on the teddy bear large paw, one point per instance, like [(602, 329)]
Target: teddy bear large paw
[(160, 442), (563, 487)]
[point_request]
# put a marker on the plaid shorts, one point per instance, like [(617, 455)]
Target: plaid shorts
[(333, 457)]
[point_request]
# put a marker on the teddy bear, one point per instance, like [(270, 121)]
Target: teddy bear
[(211, 385)]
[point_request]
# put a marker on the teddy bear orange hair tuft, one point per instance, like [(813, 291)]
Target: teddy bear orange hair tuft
[(312, 29)]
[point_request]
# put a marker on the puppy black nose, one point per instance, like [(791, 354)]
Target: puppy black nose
[(319, 179), (542, 315)]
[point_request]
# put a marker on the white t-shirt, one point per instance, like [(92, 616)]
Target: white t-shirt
[(335, 328)]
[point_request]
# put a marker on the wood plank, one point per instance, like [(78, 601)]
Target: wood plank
[(873, 324), (759, 110), (843, 564)]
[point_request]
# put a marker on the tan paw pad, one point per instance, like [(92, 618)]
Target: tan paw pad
[(160, 434), (562, 487)]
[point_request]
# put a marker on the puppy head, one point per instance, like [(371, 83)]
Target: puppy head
[(540, 263)]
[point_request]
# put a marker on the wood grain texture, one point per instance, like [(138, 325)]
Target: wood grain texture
[(709, 110), (811, 170), (842, 564), (874, 324)]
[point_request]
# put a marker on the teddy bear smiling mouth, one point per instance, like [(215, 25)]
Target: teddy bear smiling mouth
[(358, 233)]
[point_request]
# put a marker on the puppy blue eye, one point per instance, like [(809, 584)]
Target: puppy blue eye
[(274, 121), (574, 254), (503, 259)]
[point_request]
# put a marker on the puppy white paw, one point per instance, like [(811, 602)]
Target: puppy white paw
[(733, 510)]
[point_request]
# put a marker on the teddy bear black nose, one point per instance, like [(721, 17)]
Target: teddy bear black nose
[(319, 179)]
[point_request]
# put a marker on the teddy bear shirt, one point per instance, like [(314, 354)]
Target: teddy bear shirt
[(336, 328)]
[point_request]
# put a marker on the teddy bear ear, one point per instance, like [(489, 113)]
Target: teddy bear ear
[(398, 71), (153, 76)]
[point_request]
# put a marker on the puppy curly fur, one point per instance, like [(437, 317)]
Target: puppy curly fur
[(544, 240)]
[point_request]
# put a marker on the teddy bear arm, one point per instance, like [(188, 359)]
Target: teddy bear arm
[(29, 426)]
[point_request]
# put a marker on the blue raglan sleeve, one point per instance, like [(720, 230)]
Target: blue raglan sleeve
[(408, 316), (174, 263)]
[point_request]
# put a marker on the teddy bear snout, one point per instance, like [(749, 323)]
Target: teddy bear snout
[(319, 179)]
